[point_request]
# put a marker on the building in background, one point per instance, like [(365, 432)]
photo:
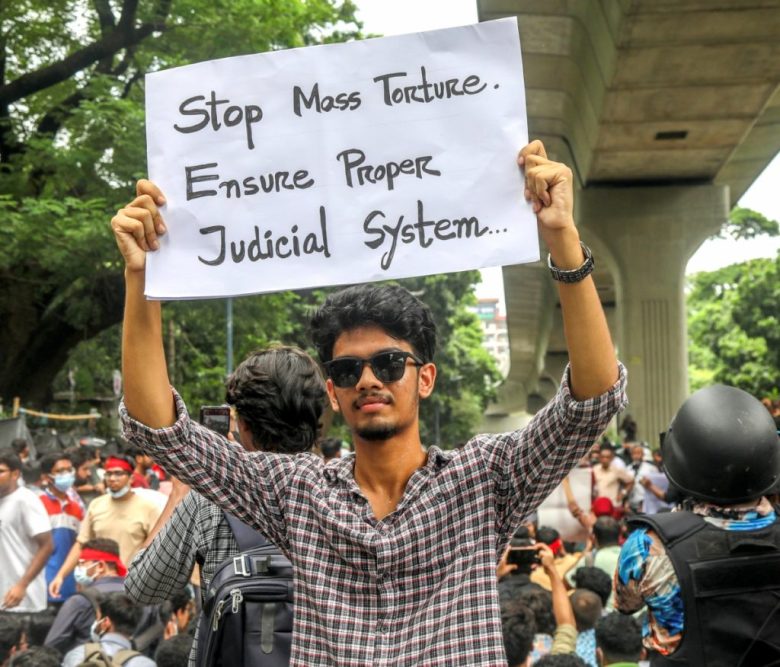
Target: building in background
[(494, 334)]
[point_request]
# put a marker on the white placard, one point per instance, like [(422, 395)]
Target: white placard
[(554, 510), (341, 163)]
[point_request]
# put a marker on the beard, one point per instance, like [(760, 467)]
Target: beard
[(378, 432)]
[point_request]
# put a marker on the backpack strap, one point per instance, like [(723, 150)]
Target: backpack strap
[(123, 656), (246, 537), (91, 649), (671, 526), (92, 595), (145, 639)]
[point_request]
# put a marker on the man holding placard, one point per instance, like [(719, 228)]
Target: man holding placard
[(394, 548)]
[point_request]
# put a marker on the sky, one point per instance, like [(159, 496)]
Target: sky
[(396, 17)]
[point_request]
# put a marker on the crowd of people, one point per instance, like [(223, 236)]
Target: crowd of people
[(400, 554)]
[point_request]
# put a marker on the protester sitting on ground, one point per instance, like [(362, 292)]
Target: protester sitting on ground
[(37, 656), (563, 561), (120, 515), (12, 639), (518, 627), (279, 395), (595, 579), (174, 652), (430, 523), (118, 617), (587, 609), (539, 601), (618, 640), (99, 571), (38, 626), (25, 541), (66, 511)]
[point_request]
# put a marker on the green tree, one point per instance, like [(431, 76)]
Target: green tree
[(734, 326), (72, 145)]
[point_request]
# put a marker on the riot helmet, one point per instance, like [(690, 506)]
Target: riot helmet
[(722, 447)]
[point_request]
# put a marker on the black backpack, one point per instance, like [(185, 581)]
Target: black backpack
[(248, 612)]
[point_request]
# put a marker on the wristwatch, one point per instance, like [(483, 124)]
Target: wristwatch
[(573, 275)]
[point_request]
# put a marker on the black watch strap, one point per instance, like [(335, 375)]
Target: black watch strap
[(573, 275)]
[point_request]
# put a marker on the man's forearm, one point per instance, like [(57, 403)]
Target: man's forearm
[(145, 375), (71, 561), (592, 357), (174, 499), (45, 549)]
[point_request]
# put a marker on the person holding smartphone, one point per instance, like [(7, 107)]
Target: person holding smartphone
[(394, 547)]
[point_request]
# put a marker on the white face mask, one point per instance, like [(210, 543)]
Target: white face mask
[(121, 493), (82, 576), (94, 632)]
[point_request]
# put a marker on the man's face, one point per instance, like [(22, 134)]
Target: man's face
[(372, 409), (605, 457), (83, 472), (9, 480), (637, 454), (116, 478)]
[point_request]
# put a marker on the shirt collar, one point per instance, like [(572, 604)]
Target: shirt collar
[(342, 469)]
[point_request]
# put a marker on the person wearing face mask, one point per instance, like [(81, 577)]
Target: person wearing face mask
[(99, 571), (66, 511), (120, 515), (111, 635)]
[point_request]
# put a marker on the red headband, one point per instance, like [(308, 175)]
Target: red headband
[(105, 556), (556, 545), (114, 462)]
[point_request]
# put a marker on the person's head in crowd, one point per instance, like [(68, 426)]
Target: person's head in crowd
[(519, 628), (10, 471), (143, 462), (279, 397), (602, 506), (637, 452), (21, 448), (593, 453), (83, 462), (606, 455), (629, 429), (539, 601), (38, 626), (396, 330), (596, 580), (37, 656), (560, 660), (12, 638), (552, 539), (173, 652), (658, 459), (99, 558), (118, 476), (59, 471), (606, 532), (587, 607), (32, 475), (330, 448), (118, 614), (520, 553), (182, 608), (618, 639)]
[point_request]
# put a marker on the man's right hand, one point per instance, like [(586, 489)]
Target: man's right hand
[(54, 586), (138, 225)]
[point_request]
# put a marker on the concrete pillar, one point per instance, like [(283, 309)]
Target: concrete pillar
[(650, 233)]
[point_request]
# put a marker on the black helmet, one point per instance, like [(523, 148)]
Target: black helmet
[(722, 447)]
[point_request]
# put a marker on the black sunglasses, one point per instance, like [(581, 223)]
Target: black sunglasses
[(387, 367)]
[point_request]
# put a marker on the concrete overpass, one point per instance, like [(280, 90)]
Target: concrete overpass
[(667, 110)]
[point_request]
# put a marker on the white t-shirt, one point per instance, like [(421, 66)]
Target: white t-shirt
[(22, 516)]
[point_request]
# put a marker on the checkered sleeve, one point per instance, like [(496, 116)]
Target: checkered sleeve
[(250, 485), (527, 465), (166, 564)]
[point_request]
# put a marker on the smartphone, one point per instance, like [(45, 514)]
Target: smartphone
[(216, 417), (523, 556)]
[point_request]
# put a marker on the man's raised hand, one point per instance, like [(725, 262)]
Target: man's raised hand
[(549, 187), (138, 225)]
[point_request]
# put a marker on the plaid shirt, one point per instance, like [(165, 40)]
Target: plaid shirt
[(196, 532), (419, 586)]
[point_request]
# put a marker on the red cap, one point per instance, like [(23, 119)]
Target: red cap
[(603, 507)]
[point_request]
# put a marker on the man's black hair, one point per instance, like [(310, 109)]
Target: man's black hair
[(606, 445), (539, 601), (180, 599), (123, 613), (11, 630), (38, 626), (103, 544), (10, 459), (518, 627), (173, 652), (619, 637), (37, 656), (48, 461), (547, 535), (79, 456), (587, 607), (31, 472), (392, 308), (606, 530), (330, 447), (19, 445), (596, 580), (561, 660), (280, 394)]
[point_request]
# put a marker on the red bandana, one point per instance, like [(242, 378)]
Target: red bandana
[(106, 557), (114, 462)]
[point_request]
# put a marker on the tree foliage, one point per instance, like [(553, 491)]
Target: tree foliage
[(734, 327), (72, 144), (744, 223)]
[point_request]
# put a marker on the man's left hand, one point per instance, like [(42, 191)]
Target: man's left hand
[(14, 595)]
